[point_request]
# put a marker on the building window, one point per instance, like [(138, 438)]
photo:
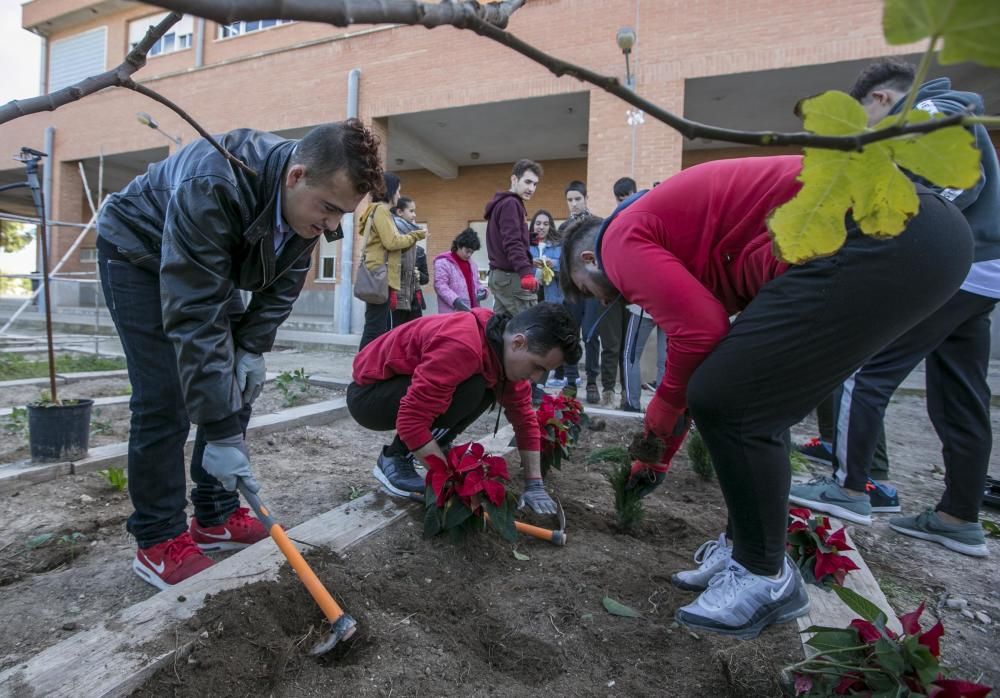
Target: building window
[(76, 57), (88, 255), (327, 270), (238, 28), (177, 38)]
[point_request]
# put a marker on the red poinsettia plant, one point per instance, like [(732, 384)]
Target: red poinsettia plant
[(465, 490), (560, 420), (869, 659), (817, 549)]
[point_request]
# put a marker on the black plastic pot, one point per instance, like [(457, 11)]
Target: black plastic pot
[(59, 432)]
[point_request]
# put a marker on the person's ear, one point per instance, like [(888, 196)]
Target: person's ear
[(518, 342), (588, 257), (881, 97), (295, 174)]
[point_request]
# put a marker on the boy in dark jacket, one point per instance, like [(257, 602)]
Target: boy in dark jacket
[(175, 247), (434, 376), (705, 255), (512, 276), (955, 340)]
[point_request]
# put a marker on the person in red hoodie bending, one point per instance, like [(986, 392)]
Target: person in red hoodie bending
[(432, 377), (693, 252)]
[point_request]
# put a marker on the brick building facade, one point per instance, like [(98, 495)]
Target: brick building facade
[(454, 109)]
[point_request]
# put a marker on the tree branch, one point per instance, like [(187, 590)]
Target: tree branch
[(119, 76), (489, 21)]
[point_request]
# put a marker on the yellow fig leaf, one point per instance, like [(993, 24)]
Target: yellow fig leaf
[(947, 157), (968, 27), (884, 198), (812, 223), (832, 114)]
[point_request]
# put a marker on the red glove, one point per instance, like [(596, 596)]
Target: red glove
[(393, 299), (529, 283), (671, 426)]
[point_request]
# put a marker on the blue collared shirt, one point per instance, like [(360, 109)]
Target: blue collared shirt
[(282, 231)]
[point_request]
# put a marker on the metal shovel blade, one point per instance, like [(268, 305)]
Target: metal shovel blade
[(342, 629)]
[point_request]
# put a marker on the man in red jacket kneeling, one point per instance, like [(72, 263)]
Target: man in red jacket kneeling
[(432, 377), (695, 251)]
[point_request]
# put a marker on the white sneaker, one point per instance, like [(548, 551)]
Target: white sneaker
[(740, 603), (712, 557)]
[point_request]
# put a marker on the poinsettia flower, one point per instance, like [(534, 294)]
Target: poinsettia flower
[(797, 526), (932, 639), (866, 631), (800, 513), (495, 491), (957, 688), (838, 540), (911, 621), (470, 485), (828, 563), (471, 459), (496, 467), (438, 474), (803, 684), (847, 683)]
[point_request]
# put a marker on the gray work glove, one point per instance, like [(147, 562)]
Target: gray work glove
[(461, 304), (481, 294), (536, 498), (227, 460), (250, 374)]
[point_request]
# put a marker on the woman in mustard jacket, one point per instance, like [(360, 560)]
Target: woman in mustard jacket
[(385, 245)]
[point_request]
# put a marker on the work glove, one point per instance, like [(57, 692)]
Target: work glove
[(250, 374), (481, 294), (227, 460), (668, 424), (460, 304), (529, 283), (536, 498)]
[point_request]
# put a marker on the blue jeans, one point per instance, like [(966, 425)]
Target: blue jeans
[(160, 425), (636, 334)]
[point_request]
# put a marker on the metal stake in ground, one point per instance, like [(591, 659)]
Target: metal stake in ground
[(342, 626)]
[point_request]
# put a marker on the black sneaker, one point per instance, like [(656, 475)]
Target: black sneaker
[(884, 498), (398, 475), (593, 396), (815, 451)]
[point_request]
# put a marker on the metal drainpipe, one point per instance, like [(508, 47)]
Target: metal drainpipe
[(47, 176), (199, 42), (345, 289), (43, 67)]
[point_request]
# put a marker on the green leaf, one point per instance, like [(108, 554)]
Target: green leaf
[(947, 157), (991, 527), (455, 513), (610, 454), (39, 540), (432, 522), (502, 519), (968, 27), (619, 609), (860, 605), (832, 113), (827, 639), (889, 657), (885, 200), (520, 556)]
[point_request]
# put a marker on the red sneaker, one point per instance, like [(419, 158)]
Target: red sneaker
[(169, 562), (238, 531)]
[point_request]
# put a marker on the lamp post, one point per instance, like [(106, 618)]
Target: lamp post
[(626, 40), (146, 120)]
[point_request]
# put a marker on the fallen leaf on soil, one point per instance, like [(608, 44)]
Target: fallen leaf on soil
[(520, 556), (619, 609), (992, 528)]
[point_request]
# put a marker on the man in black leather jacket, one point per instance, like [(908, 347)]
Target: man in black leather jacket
[(175, 248)]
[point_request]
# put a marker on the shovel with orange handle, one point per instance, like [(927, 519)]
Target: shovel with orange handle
[(342, 626)]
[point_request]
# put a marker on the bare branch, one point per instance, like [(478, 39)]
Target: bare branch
[(120, 76), (344, 13), (143, 90), (489, 21)]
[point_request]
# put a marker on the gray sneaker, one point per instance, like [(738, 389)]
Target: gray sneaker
[(712, 557), (398, 475), (965, 538), (825, 494), (740, 603)]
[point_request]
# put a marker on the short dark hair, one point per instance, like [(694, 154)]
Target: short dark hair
[(523, 165), (343, 144), (403, 204), (576, 185), (467, 238), (389, 188), (624, 187), (548, 326), (886, 73), (576, 236)]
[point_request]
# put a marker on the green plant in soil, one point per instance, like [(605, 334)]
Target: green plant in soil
[(13, 366), (97, 425), (16, 423), (628, 505), (701, 460), (127, 390), (355, 492), (116, 478), (70, 540), (293, 385)]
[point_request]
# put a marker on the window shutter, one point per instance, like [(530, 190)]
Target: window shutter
[(76, 57)]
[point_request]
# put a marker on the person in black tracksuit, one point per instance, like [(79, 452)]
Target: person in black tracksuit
[(955, 340)]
